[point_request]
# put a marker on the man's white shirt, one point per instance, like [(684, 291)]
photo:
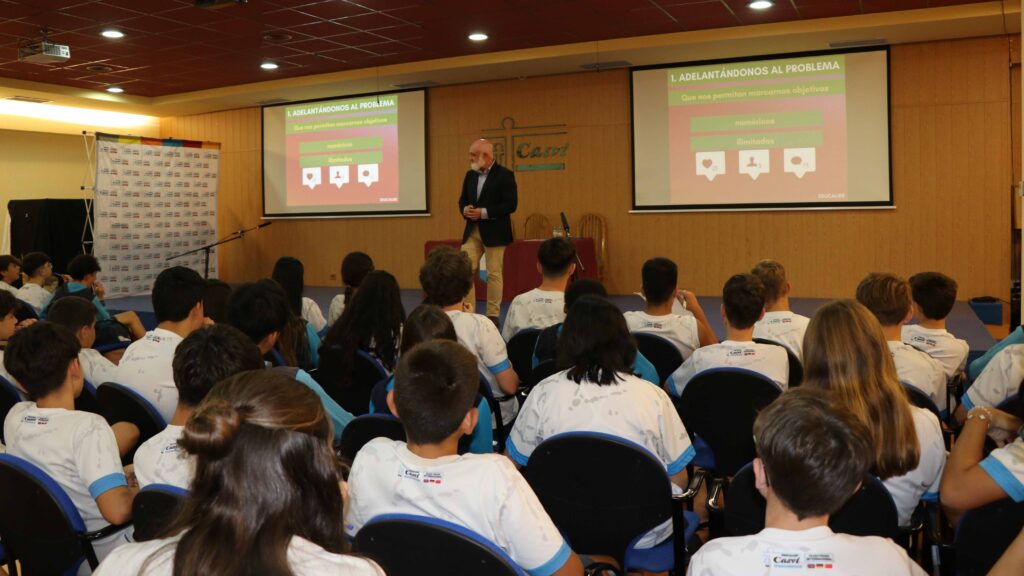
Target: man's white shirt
[(146, 369), (766, 359), (96, 368), (478, 334), (938, 343), (534, 309), (999, 380), (784, 327), (311, 313), (921, 371), (35, 295), (680, 330), (921, 483), (159, 460)]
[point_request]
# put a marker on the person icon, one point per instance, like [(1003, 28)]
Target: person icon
[(752, 163)]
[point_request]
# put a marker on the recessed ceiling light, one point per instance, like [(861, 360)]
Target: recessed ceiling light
[(268, 66), (115, 89), (277, 37), (478, 36), (760, 4), (111, 33)]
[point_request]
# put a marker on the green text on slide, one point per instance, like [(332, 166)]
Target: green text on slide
[(341, 159), (757, 92), (809, 139), (766, 120), (341, 123), (370, 142), (772, 69)]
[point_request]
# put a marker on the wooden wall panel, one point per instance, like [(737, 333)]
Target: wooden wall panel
[(952, 168)]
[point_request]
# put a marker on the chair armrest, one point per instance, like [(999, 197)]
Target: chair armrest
[(679, 532), (104, 532), (715, 487), (599, 568), (693, 488)]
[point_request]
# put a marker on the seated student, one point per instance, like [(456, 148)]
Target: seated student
[(146, 365), (780, 324), (845, 352), (38, 268), (78, 450), (215, 299), (975, 368), (543, 306), (599, 394), (887, 296), (688, 332), (996, 383), (435, 389), (934, 295), (265, 497), (79, 316), (10, 272), (206, 357), (354, 268), (742, 307), (290, 274), (446, 278), (8, 325), (260, 311), (812, 455), (83, 270), (428, 322)]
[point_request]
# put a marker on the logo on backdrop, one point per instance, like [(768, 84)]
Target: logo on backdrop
[(529, 148)]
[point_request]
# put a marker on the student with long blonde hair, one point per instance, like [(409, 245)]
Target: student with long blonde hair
[(845, 351)]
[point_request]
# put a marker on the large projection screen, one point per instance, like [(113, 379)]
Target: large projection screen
[(347, 156), (795, 131)]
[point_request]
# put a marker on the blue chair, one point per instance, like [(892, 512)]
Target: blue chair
[(520, 354), (9, 396), (406, 545), (154, 509), (365, 428), (604, 493), (921, 399), (983, 534), (662, 353), (796, 368), (119, 403), (40, 526), (86, 401), (366, 372)]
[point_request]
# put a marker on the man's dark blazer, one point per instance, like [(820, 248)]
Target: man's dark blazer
[(500, 197)]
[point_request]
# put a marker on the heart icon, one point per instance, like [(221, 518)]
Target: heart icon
[(795, 160), (707, 162), (309, 176)]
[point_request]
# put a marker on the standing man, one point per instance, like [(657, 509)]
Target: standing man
[(489, 197)]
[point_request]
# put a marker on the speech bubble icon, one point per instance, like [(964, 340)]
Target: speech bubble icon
[(368, 173), (753, 163), (799, 161), (312, 177), (338, 175), (710, 164)]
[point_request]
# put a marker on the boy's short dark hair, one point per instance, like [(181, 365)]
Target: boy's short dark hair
[(773, 276), (555, 256), (887, 296), (176, 292), (72, 312), (33, 261), (743, 298), (6, 260), (934, 292), (83, 265), (446, 276), (9, 304), (815, 451), (258, 309), (436, 383), (660, 277), (39, 356), (208, 356), (215, 299), (583, 287)]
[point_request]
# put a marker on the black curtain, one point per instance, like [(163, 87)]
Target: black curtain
[(51, 226)]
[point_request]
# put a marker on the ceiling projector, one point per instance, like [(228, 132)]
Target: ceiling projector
[(44, 52)]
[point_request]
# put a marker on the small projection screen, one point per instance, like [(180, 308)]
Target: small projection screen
[(795, 131), (347, 156)]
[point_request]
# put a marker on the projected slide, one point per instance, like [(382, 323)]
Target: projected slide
[(346, 156), (804, 131)]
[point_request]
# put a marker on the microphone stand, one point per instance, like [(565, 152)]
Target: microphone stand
[(579, 262), (236, 235)]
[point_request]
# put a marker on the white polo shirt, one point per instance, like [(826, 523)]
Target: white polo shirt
[(335, 310), (1006, 466), (534, 309), (785, 327), (9, 288), (767, 359), (802, 552), (942, 346), (304, 559), (481, 492), (96, 368), (920, 370), (921, 483), (35, 295), (159, 460), (999, 380), (146, 369), (311, 313), (477, 333), (680, 330)]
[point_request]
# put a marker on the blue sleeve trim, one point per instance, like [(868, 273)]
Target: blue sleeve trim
[(966, 401), (515, 454), (339, 416), (930, 497), (680, 463), (482, 440), (500, 367), (557, 561), (108, 482), (1004, 478)]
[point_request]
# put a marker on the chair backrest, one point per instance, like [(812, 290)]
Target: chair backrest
[(365, 428), (796, 368), (543, 370), (406, 545), (499, 423), (86, 401), (720, 405), (536, 227), (520, 353), (154, 509), (602, 491), (39, 524), (594, 226), (983, 534), (869, 512), (355, 397), (662, 353), (9, 396), (920, 399), (118, 403)]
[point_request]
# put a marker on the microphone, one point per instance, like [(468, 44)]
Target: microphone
[(264, 225), (565, 224)]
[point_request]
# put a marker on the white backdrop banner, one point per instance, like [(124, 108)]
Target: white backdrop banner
[(153, 199)]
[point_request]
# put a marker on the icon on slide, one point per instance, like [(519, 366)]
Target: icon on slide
[(710, 164), (753, 163), (799, 161), (368, 174), (312, 176), (338, 175)]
